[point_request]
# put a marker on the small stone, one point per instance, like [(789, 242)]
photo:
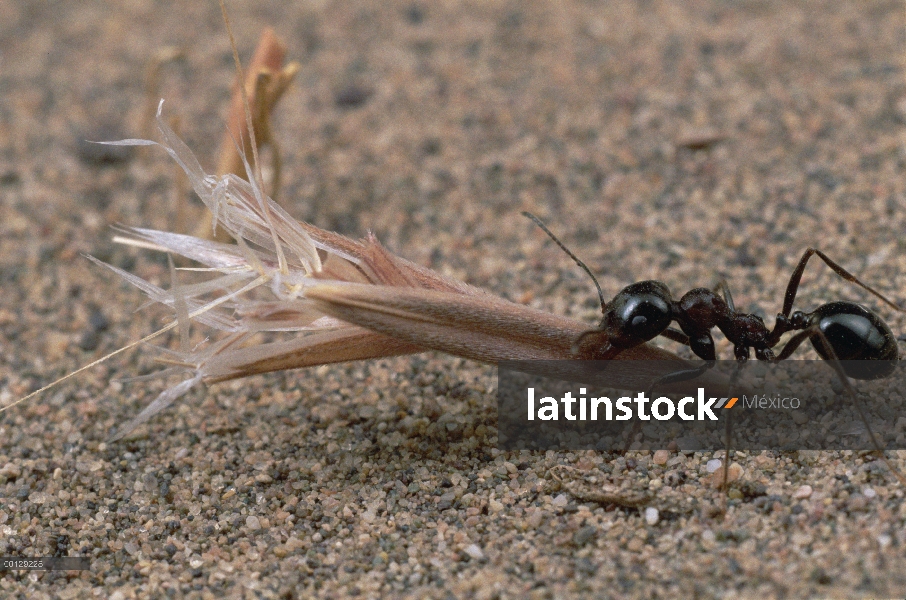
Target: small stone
[(98, 321), (352, 96), (702, 139), (474, 552), (534, 520), (253, 523), (803, 492), (149, 482), (734, 473), (89, 340), (713, 465), (869, 493), (652, 515), (735, 494), (560, 500), (857, 502), (10, 471), (799, 417), (661, 457), (635, 545), (415, 14), (585, 535)]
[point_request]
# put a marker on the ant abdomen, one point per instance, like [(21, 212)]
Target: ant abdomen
[(855, 334)]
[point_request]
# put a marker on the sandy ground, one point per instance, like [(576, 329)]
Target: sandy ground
[(434, 125)]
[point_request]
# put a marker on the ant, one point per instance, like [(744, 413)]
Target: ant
[(839, 331)]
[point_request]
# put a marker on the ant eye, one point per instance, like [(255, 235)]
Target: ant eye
[(639, 313), (856, 334)]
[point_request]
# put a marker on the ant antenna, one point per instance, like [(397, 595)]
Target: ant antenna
[(544, 228)]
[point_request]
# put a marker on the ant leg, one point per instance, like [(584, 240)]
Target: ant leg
[(728, 432), (796, 341), (835, 363), (676, 335), (677, 376), (724, 288), (605, 352), (793, 286), (702, 346), (674, 377)]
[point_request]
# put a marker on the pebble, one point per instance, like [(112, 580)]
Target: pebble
[(560, 501), (803, 492), (635, 544), (661, 457), (734, 473), (585, 535), (534, 519), (10, 471), (713, 465), (857, 502), (352, 96), (474, 551), (652, 515)]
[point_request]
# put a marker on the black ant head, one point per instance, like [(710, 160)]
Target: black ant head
[(855, 334), (639, 313)]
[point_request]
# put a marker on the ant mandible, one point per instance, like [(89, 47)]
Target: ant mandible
[(839, 331)]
